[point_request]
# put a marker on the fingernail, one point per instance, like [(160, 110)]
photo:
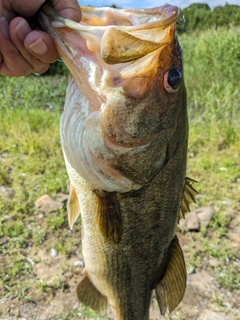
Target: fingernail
[(22, 29), (38, 47)]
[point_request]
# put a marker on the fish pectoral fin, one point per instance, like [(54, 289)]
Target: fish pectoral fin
[(170, 289), (189, 195), (73, 208), (89, 295), (108, 217)]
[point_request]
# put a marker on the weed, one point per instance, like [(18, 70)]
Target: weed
[(19, 292), (89, 313), (217, 299), (38, 237), (229, 277), (56, 220), (73, 314), (44, 287)]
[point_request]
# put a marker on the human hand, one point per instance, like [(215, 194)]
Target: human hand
[(23, 50)]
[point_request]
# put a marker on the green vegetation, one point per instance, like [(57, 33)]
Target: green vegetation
[(199, 16), (211, 62), (31, 164)]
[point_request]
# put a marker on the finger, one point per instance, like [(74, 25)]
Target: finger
[(12, 64), (26, 8), (41, 46), (68, 9), (19, 30)]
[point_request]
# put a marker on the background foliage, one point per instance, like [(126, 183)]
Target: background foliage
[(199, 16)]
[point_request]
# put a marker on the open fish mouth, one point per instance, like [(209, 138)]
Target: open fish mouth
[(107, 38), (123, 35)]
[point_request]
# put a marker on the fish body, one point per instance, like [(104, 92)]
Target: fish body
[(124, 133)]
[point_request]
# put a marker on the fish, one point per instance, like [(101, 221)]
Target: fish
[(124, 136)]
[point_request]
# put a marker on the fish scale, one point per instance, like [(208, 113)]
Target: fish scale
[(124, 133)]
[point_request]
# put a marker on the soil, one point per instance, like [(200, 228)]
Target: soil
[(204, 299)]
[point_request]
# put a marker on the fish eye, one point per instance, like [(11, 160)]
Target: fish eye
[(172, 80)]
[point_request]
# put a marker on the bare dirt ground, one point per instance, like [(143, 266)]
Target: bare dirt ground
[(57, 275)]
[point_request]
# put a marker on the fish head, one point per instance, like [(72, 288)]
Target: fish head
[(126, 92)]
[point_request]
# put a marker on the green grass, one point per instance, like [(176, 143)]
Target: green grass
[(211, 62), (31, 164)]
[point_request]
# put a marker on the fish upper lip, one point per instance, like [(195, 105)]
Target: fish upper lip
[(166, 15)]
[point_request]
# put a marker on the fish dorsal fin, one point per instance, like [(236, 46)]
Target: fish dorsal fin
[(118, 46), (73, 207), (170, 289), (109, 218), (89, 295), (189, 195)]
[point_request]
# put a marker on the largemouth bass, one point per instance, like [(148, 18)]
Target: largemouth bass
[(124, 135)]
